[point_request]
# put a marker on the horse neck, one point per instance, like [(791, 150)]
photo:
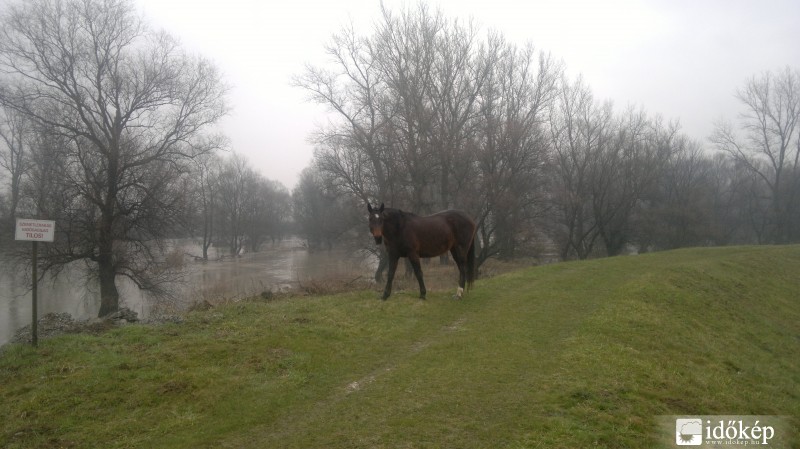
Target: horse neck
[(396, 219)]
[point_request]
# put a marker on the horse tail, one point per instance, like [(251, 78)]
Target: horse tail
[(472, 273)]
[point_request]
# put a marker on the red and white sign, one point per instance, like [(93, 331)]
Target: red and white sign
[(35, 230)]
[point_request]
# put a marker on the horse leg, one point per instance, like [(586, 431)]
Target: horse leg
[(383, 261), (414, 259), (461, 262), (390, 276), (409, 269)]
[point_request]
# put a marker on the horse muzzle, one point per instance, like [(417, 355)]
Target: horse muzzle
[(378, 239)]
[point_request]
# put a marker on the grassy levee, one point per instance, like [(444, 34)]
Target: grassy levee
[(571, 355)]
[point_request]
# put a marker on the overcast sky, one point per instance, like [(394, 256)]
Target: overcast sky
[(679, 58)]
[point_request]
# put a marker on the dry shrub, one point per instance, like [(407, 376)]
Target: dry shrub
[(332, 285), (174, 259)]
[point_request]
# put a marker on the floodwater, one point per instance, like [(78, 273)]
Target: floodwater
[(278, 267)]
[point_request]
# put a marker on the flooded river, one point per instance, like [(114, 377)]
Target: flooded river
[(275, 268)]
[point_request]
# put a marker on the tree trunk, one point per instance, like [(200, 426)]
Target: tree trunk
[(107, 272), (109, 295), (208, 228)]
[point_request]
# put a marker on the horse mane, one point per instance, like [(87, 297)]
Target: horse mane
[(393, 217), (394, 220), (391, 212)]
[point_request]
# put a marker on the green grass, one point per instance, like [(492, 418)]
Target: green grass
[(571, 355)]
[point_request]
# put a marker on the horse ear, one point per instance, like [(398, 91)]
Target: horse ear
[(381, 209)]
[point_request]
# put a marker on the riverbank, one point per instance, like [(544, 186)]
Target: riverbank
[(57, 324), (579, 354), (285, 266)]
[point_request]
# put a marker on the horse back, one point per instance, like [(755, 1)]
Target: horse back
[(459, 223), (438, 233)]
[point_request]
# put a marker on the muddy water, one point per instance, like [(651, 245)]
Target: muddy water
[(282, 266)]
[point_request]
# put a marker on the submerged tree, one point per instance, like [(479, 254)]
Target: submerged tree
[(249, 208), (127, 104)]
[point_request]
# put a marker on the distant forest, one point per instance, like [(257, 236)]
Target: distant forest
[(107, 127)]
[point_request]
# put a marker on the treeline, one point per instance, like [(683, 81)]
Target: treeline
[(431, 113), (216, 198), (235, 207)]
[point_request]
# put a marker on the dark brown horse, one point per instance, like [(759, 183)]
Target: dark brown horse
[(408, 235)]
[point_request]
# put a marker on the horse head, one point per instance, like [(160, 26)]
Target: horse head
[(376, 222)]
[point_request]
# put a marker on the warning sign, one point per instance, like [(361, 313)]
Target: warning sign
[(35, 230)]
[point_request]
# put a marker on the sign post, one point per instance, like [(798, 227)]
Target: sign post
[(35, 231)]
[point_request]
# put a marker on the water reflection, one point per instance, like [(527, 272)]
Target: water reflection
[(276, 267), (69, 293)]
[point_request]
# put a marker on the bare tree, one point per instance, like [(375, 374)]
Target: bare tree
[(681, 202), (321, 214), (406, 52), (206, 176), (248, 208), (266, 211), (353, 90), (278, 209), (128, 103), (625, 171), (15, 140), (513, 146), (461, 67), (767, 143), (234, 193), (580, 130)]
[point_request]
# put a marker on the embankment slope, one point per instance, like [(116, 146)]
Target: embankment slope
[(579, 354)]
